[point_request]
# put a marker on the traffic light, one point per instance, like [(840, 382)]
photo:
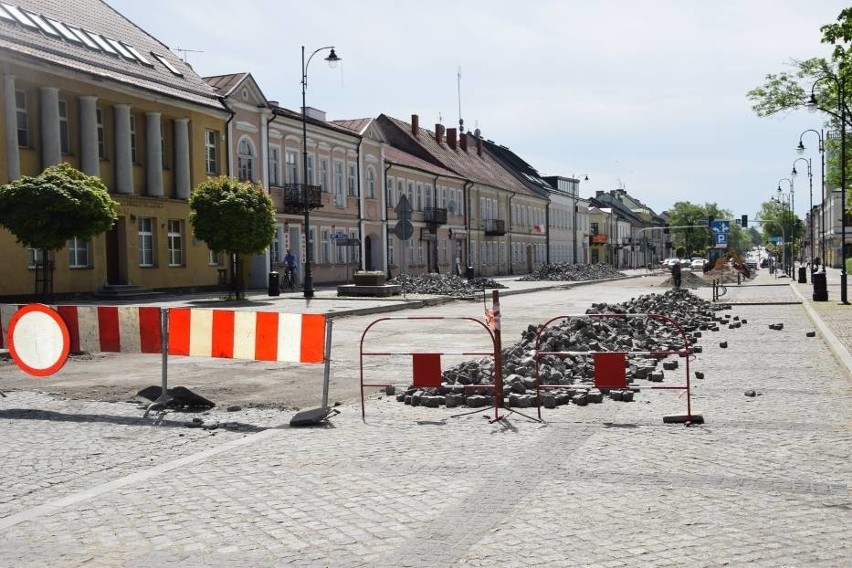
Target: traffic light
[(666, 230), (744, 221)]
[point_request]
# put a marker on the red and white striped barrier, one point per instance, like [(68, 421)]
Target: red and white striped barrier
[(262, 336)]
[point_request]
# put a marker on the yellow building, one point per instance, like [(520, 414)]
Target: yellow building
[(82, 84)]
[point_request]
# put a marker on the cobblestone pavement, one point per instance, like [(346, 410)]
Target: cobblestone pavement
[(764, 482)]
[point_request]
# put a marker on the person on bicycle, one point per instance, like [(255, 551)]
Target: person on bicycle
[(290, 264)]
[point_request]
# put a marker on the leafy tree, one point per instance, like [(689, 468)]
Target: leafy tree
[(232, 216), (779, 221), (46, 211), (695, 237), (789, 91)]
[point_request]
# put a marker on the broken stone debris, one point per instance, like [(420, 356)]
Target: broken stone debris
[(443, 284), (560, 271), (574, 375)]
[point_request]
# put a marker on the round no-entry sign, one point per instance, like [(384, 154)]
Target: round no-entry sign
[(38, 340)]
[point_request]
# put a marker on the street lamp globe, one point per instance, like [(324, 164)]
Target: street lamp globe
[(812, 103)]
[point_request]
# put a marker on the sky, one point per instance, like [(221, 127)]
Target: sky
[(643, 95)]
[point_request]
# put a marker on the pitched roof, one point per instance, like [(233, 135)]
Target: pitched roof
[(297, 116), (224, 85), (90, 37), (522, 170), (402, 158), (482, 169), (356, 125)]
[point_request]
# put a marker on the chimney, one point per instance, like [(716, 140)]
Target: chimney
[(415, 124), (463, 141), (451, 138), (439, 132), (479, 146)]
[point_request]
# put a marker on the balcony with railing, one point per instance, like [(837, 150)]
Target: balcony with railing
[(290, 197), (495, 227), (435, 216)]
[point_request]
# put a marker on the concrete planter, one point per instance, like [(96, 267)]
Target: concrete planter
[(368, 279)]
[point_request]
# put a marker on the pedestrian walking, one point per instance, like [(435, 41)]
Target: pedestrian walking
[(676, 274)]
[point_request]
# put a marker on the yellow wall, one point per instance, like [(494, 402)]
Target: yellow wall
[(195, 270)]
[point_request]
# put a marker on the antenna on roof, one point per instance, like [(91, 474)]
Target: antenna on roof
[(183, 53), (461, 120)]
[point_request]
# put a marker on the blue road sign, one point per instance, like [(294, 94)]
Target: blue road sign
[(720, 232)]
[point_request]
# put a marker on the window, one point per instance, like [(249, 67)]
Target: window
[(274, 165), (245, 160), (325, 245), (34, 257), (291, 168), (175, 237), (23, 119), (324, 175), (390, 250), (309, 178), (275, 246), (389, 190), (341, 253), (351, 185), (339, 198), (418, 198), (371, 183), (64, 132), (78, 253), (133, 156), (312, 242), (146, 241), (214, 258), (101, 140), (211, 152)]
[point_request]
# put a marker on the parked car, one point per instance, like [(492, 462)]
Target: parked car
[(698, 264), (669, 262)]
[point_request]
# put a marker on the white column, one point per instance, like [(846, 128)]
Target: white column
[(154, 154), (10, 115), (89, 158), (182, 178), (51, 151), (123, 154)]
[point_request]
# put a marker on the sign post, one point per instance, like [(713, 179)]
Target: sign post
[(403, 230)]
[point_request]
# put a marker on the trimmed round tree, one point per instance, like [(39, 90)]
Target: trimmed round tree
[(46, 211), (234, 217)]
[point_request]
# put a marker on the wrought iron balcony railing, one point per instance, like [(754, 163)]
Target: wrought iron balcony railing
[(292, 197), (495, 227), (435, 216)]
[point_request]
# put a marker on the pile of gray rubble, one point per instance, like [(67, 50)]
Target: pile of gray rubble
[(443, 284), (573, 272), (572, 376)]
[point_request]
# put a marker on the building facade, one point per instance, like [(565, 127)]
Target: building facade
[(83, 85)]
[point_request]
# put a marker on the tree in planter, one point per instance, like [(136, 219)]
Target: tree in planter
[(46, 211), (234, 217)]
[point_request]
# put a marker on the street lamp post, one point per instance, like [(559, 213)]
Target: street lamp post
[(800, 149), (788, 261), (841, 115), (332, 59), (793, 174), (576, 201)]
